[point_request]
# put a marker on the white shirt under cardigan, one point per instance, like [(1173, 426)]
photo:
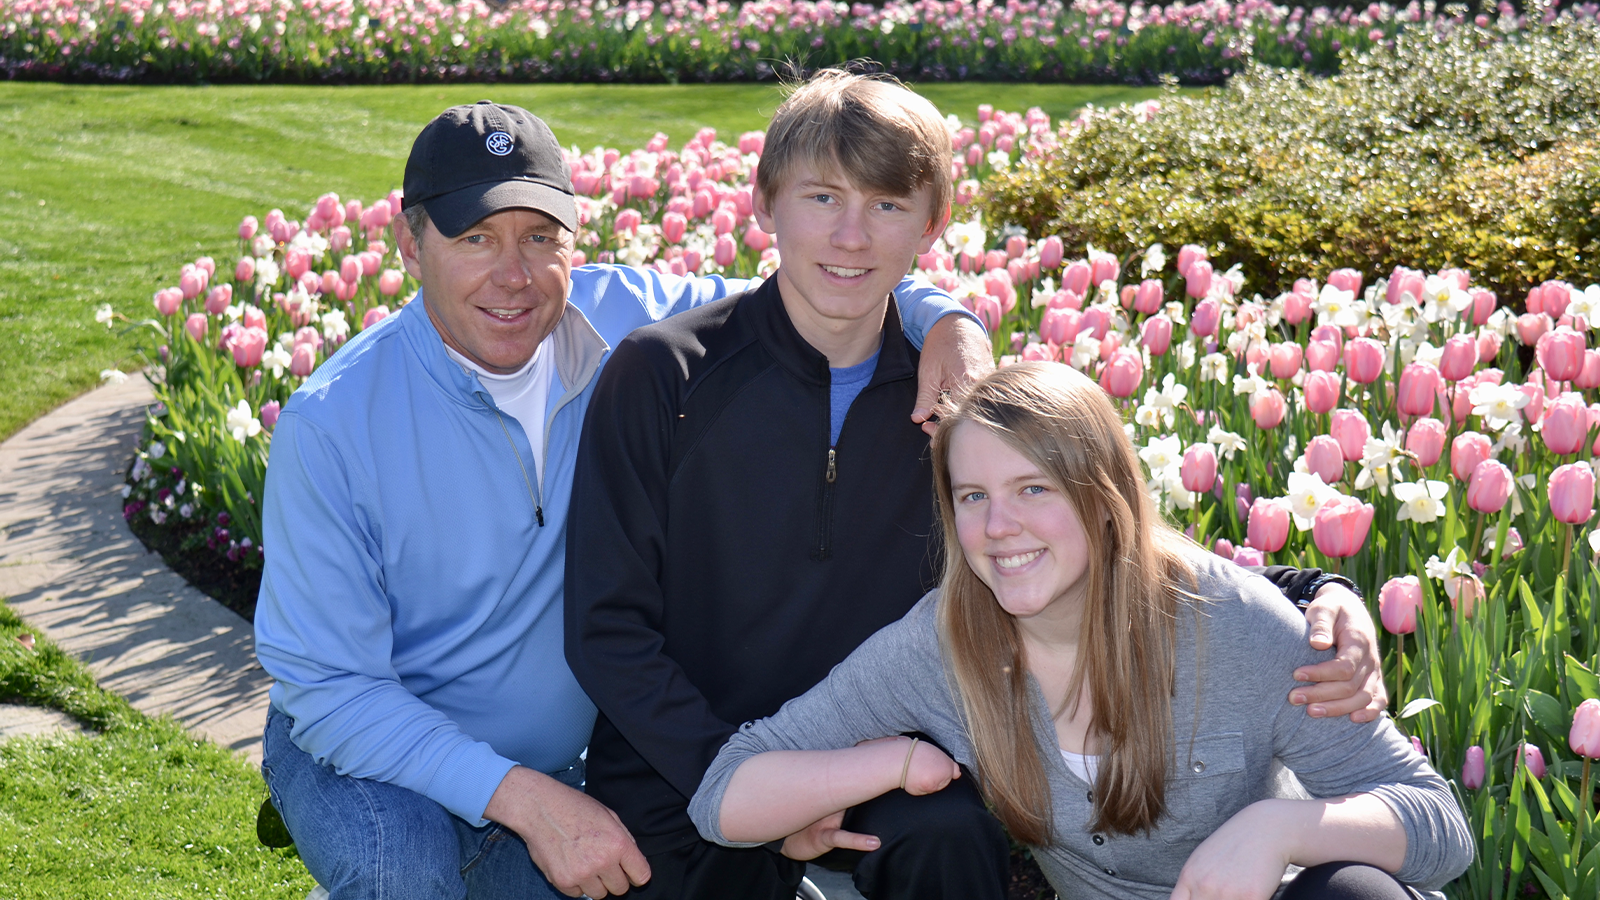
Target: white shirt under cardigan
[(1231, 719)]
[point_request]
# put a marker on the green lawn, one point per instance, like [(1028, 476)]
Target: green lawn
[(136, 810), (106, 191)]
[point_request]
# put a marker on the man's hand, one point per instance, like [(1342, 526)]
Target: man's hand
[(1350, 684), (823, 835), (955, 354), (579, 844)]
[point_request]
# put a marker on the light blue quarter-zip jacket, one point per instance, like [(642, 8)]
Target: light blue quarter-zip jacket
[(411, 604)]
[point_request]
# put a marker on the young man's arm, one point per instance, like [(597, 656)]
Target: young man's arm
[(1350, 684)]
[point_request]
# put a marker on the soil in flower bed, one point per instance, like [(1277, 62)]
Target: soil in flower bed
[(184, 551)]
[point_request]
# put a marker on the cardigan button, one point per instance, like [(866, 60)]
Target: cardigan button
[(1110, 871), (1199, 767), (1098, 840)]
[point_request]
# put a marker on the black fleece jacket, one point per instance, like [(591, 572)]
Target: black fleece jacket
[(721, 556)]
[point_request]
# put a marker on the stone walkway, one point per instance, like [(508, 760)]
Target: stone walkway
[(72, 569)]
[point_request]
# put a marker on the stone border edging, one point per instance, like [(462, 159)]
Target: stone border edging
[(70, 566)]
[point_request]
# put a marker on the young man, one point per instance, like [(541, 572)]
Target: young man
[(425, 737), (749, 507)]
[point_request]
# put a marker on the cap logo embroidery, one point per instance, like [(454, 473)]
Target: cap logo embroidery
[(499, 143)]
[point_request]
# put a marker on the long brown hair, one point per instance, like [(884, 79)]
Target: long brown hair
[(1065, 424)]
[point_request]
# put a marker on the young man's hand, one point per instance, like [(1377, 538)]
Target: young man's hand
[(955, 354), (579, 844), (1350, 684)]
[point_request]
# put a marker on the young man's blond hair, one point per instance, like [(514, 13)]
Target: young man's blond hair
[(875, 130)]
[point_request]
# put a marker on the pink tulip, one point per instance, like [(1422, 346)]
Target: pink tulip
[(987, 308), (1076, 277), (339, 239), (1468, 450), (1533, 758), (168, 300), (1198, 470), (1104, 267), (673, 227), (1269, 409), (725, 250), (1016, 245), (1363, 360), (1223, 548), (1286, 358), (1340, 527), (1399, 602), (1122, 373), (192, 281), (1585, 736), (1459, 359), (1060, 326), (1566, 424), (248, 347), (1351, 430), (1416, 744), (1488, 347), (1187, 255), (1297, 307), (271, 409), (373, 316), (1571, 492), (627, 221), (254, 317), (1534, 391), (1322, 391), (245, 271), (1426, 440), (1207, 314), (196, 326), (389, 282), (1560, 353), (1197, 281), (207, 265), (1346, 280), (247, 228), (1051, 252), (303, 360), (1420, 383), (1557, 295), (1248, 556), (331, 282), (1156, 333), (309, 336), (1589, 375), (1325, 458), (1322, 356), (1483, 304), (1096, 321), (1490, 487), (1405, 281), (296, 263), (1472, 770), (350, 269), (756, 239), (220, 298), (371, 263), (1531, 327), (1268, 527)]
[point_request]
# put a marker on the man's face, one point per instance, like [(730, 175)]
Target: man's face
[(495, 290), (843, 248)]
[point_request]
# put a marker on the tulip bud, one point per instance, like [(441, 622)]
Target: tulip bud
[(1197, 280), (1268, 528), (1416, 744), (1419, 385), (1346, 280), (196, 326), (303, 360), (1156, 334), (1223, 548), (1459, 358), (1269, 409), (1472, 771), (1566, 424), (1051, 252), (756, 239), (1490, 487), (1533, 758), (1363, 360), (1207, 314), (1286, 359), (247, 228), (1468, 450), (1187, 255), (1321, 391), (270, 411), (1399, 602), (1248, 556), (1198, 471), (1585, 736), (1340, 526), (725, 251), (1325, 458), (1322, 356), (168, 300), (1351, 430), (373, 316), (390, 281), (1571, 492), (1561, 353), (1122, 373), (220, 298)]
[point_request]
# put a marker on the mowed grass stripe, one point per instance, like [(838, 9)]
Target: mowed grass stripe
[(105, 191)]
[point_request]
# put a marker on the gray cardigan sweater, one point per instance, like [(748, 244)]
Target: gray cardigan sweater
[(1231, 719)]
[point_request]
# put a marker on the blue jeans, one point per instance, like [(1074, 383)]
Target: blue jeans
[(368, 840)]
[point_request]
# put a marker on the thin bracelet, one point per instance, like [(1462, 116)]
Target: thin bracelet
[(905, 770)]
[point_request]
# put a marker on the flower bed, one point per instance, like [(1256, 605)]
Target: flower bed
[(340, 41), (1407, 428)]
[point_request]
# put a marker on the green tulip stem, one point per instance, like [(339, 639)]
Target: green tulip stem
[(1566, 551), (1400, 671), (1585, 818), (1476, 547)]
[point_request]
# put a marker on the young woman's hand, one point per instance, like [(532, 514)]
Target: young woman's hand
[(930, 769), (1242, 860)]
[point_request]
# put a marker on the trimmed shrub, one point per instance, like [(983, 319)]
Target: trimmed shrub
[(1471, 148)]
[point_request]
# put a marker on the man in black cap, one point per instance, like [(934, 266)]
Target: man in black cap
[(425, 735)]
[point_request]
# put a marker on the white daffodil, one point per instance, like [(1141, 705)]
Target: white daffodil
[(1043, 293), (1331, 303), (266, 274), (999, 160), (1227, 442), (1307, 493), (334, 326), (1168, 397), (1085, 350), (1155, 259), (311, 242), (1420, 501), (241, 423), (1594, 541), (1586, 305), (277, 359), (1175, 312), (1215, 367), (1253, 385), (1184, 353), (113, 376), (1452, 565), (1428, 353), (966, 237), (104, 314), (1498, 404), (1161, 454), (1147, 416), (1379, 459)]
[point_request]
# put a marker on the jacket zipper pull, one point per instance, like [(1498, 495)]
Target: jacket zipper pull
[(832, 471), (538, 513)]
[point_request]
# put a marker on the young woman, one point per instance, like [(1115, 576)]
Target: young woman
[(1119, 693)]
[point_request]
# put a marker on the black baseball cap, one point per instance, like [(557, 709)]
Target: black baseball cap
[(474, 161)]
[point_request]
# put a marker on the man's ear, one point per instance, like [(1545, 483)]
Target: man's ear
[(936, 226), (763, 212), (407, 245)]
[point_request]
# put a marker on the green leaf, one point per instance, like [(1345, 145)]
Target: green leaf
[(1547, 713), (1584, 682), (1418, 705)]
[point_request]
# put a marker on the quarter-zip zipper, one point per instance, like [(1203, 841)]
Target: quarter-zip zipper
[(538, 508), (830, 474)]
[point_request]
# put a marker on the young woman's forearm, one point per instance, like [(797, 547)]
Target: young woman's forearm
[(1358, 828), (775, 794)]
